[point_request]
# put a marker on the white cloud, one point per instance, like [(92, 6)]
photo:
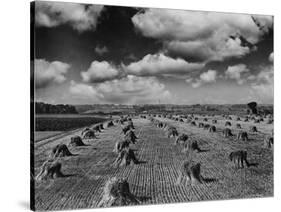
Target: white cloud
[(159, 64), (47, 73), (205, 77), (80, 90), (194, 25), (79, 16), (188, 80), (207, 35), (133, 89), (209, 76), (271, 57), (208, 50), (128, 90), (263, 86), (196, 84), (101, 50), (100, 72), (235, 72)]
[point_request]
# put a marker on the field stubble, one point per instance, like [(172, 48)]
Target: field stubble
[(154, 179)]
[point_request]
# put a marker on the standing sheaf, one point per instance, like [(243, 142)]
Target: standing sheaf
[(97, 128), (227, 123), (130, 135), (50, 169), (239, 158), (90, 134), (60, 150), (214, 121), (117, 193), (253, 129), (268, 141), (76, 141), (181, 139), (172, 132), (238, 126), (212, 129), (201, 125), (126, 157), (190, 172), (127, 128), (227, 132), (191, 145), (242, 135), (120, 145)]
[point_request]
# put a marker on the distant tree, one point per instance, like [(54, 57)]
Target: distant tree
[(252, 107), (43, 108)]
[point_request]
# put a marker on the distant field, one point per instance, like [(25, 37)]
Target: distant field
[(69, 116), (63, 122)]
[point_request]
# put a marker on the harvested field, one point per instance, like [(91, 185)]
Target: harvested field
[(152, 180)]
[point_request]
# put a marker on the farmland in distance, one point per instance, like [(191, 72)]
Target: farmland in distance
[(49, 125)]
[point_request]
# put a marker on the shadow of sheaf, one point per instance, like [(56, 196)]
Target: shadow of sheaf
[(209, 180), (73, 155), (143, 199), (203, 150), (67, 175), (253, 164)]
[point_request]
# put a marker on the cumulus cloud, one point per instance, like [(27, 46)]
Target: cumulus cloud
[(196, 84), (207, 35), (235, 72), (209, 76), (101, 50), (271, 57), (128, 90), (263, 86), (80, 17), (47, 73), (100, 72), (82, 90), (159, 64), (208, 50), (149, 65), (205, 77)]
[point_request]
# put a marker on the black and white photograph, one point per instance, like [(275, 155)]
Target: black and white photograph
[(136, 106)]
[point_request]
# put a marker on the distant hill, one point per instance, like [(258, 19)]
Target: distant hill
[(43, 108), (112, 109)]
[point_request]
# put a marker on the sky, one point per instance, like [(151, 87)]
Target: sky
[(95, 54)]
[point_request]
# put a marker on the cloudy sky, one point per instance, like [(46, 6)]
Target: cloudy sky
[(91, 54)]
